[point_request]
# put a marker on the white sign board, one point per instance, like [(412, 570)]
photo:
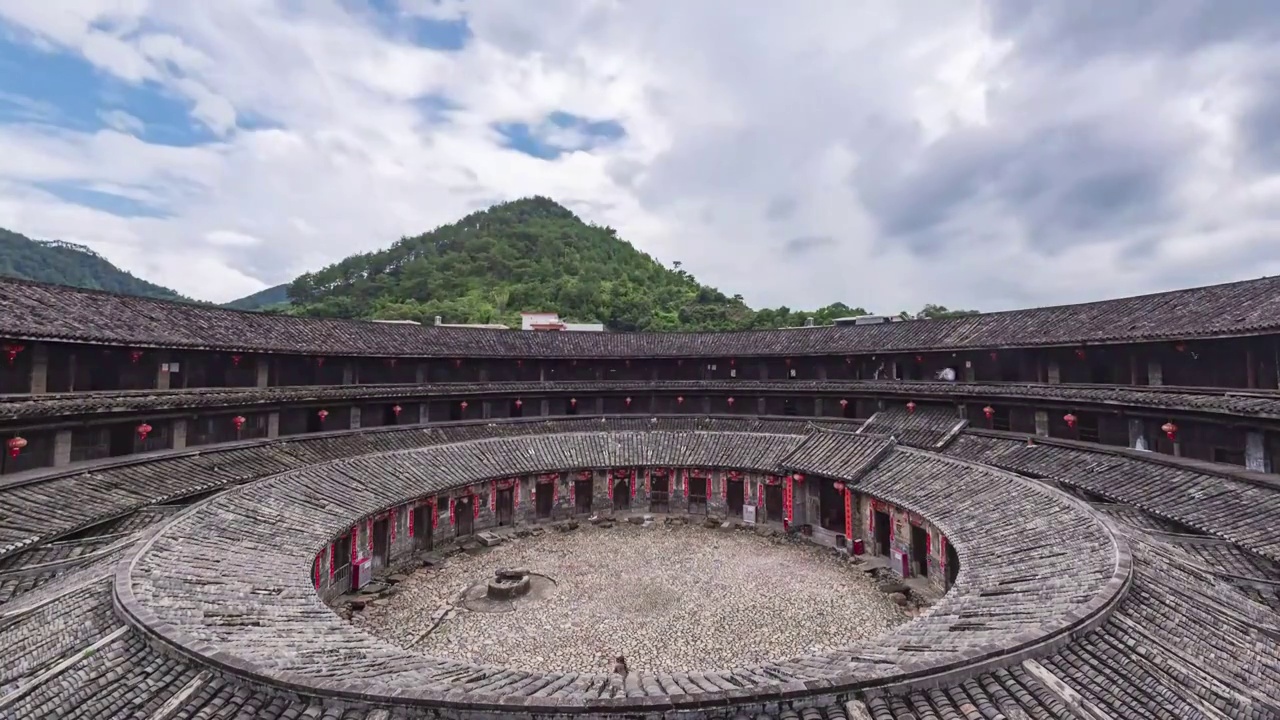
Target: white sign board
[(749, 514)]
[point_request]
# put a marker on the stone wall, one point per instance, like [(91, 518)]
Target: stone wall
[(901, 522)]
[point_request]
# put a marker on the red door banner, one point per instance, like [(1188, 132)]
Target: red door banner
[(848, 516), (393, 517), (411, 514)]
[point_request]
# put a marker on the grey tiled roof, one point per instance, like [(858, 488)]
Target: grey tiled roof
[(51, 312)]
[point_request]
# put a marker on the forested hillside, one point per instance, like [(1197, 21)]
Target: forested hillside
[(272, 298), (532, 255), (69, 264)]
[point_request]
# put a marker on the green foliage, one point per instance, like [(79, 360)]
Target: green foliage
[(271, 298), (935, 312), (70, 264)]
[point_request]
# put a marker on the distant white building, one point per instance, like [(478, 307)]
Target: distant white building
[(551, 321)]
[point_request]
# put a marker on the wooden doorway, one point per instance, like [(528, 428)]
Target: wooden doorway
[(582, 492), (544, 499), (698, 490), (423, 515), (883, 532), (505, 504), (953, 564), (621, 493), (773, 503), (734, 495), (464, 515), (659, 491), (920, 550), (381, 543)]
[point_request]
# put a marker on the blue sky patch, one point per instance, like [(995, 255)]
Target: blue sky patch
[(99, 200), (558, 133), (448, 35)]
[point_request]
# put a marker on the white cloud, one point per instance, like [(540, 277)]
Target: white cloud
[(749, 124)]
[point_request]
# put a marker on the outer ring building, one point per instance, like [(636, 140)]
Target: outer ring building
[(1094, 494)]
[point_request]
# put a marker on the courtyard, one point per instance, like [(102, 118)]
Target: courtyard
[(669, 598)]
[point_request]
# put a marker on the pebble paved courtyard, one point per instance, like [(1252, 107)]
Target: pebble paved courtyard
[(668, 598)]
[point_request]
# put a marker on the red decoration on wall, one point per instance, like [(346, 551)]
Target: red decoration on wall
[(573, 402), (144, 430), (463, 405), (135, 356), (1170, 429), (453, 511), (319, 362), (519, 403), (493, 496), (798, 477), (848, 516), (627, 401), (333, 550), (730, 401), (788, 499), (238, 421), (322, 414), (368, 535), (355, 543), (680, 400), (12, 350), (988, 411), (1180, 347), (1080, 353), (911, 407), (411, 514), (315, 572), (919, 359), (1070, 419), (396, 409), (519, 363), (393, 518), (475, 505), (732, 362), (994, 354), (843, 403), (235, 360), (435, 512), (15, 445)]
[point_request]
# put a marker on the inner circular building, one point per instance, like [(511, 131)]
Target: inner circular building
[(256, 516)]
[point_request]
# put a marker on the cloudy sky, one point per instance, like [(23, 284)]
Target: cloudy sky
[(884, 153)]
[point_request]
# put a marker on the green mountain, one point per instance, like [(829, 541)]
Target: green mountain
[(66, 263), (269, 299)]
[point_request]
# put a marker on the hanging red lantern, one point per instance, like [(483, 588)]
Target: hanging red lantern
[(911, 406), (519, 403), (12, 349), (798, 477), (989, 411), (322, 415), (457, 362), (463, 405), (919, 359), (519, 363), (1080, 353), (1170, 430), (843, 403), (235, 360), (1070, 419), (135, 356), (732, 362), (238, 421), (319, 362), (143, 431), (395, 410), (994, 354), (15, 445), (680, 400), (1180, 347), (839, 486), (627, 401), (573, 402), (391, 362), (730, 401)]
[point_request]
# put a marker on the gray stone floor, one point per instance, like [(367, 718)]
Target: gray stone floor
[(668, 597)]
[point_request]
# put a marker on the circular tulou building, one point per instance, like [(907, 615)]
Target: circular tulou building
[(1066, 512)]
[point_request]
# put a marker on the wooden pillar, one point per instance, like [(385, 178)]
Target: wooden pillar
[(486, 406), (420, 373), (600, 406), (273, 424), (1042, 423), (545, 407), (1255, 452), (62, 448), (424, 409), (1054, 372), (1133, 367), (262, 364), (179, 432), (355, 417), (1137, 434), (39, 369), (162, 370), (1251, 368), (1155, 372), (483, 373), (970, 374), (348, 373)]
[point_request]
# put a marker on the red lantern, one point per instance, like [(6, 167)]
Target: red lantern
[(391, 362), (457, 362), (135, 356), (911, 407), (628, 402), (319, 362), (519, 403), (13, 350), (798, 477), (919, 359), (573, 402), (680, 400), (519, 363), (994, 354), (1070, 419), (730, 401), (322, 415), (839, 486), (15, 445), (732, 362), (235, 360), (1170, 429), (463, 405), (1180, 347), (1080, 353), (989, 411), (143, 431), (395, 409), (238, 421)]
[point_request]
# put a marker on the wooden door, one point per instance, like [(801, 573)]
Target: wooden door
[(506, 506)]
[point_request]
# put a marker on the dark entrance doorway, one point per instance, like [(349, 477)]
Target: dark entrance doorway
[(506, 506), (773, 503), (920, 550), (659, 491), (517, 408), (120, 440), (621, 493), (422, 527), (381, 543), (464, 515), (734, 495), (390, 416), (582, 490), (543, 499), (789, 407), (831, 507), (953, 565), (848, 410), (571, 406), (698, 495), (883, 530)]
